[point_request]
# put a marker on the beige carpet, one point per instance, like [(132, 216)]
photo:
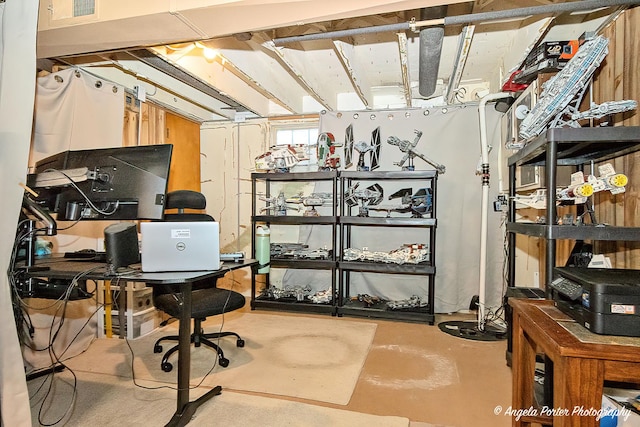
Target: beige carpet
[(311, 358), (105, 400)]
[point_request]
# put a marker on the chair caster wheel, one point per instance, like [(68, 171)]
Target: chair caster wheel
[(240, 343), (166, 366), (157, 348), (223, 362)]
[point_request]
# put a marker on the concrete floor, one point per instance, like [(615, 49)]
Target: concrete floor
[(432, 378), (415, 370)]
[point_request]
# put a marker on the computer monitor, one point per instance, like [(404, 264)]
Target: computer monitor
[(124, 183)]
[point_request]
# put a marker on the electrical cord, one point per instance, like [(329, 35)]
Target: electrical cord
[(24, 323), (86, 198), (58, 359), (14, 275), (22, 317), (496, 315), (215, 362)]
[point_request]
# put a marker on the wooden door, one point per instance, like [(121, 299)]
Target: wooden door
[(147, 124), (185, 162)]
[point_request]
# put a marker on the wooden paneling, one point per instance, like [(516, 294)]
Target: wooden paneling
[(185, 162), (130, 127), (158, 126), (616, 80), (152, 125)]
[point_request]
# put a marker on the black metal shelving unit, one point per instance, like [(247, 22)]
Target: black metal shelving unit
[(342, 224), (328, 221), (559, 147), (349, 223), (574, 147)]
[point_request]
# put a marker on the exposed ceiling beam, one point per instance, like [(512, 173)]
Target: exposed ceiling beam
[(464, 46), (347, 57), (155, 77), (373, 70), (404, 68), (249, 59), (298, 75), (220, 76), (254, 83), (147, 57), (189, 104), (153, 22)]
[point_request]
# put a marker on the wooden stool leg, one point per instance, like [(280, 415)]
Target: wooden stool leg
[(523, 366)]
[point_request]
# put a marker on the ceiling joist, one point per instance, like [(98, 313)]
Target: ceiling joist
[(339, 62), (286, 60), (357, 76), (404, 68)]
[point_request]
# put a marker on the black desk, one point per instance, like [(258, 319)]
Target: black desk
[(63, 268)]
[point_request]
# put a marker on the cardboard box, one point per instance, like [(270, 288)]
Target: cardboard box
[(562, 51)]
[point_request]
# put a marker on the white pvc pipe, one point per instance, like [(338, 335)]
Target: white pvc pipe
[(484, 149)]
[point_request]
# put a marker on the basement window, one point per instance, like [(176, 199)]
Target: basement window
[(304, 139), (296, 136)]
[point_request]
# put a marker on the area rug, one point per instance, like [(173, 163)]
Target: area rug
[(106, 400), (305, 357)]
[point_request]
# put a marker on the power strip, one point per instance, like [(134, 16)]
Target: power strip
[(232, 256)]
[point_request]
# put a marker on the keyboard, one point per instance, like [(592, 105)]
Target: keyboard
[(91, 256)]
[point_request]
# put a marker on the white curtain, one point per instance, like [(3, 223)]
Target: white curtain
[(76, 110), (17, 88), (450, 137)]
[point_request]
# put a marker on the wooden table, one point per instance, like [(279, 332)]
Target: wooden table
[(582, 361)]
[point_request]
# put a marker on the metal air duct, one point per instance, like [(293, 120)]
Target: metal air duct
[(430, 49)]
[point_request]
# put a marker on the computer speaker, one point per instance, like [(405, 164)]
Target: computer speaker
[(121, 245)]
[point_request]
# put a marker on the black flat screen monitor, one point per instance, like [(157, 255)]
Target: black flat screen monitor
[(124, 183)]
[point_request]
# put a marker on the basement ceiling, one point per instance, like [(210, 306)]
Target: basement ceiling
[(349, 62)]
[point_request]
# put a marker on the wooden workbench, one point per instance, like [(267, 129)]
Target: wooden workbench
[(582, 361)]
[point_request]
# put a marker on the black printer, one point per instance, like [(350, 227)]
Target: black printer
[(606, 301)]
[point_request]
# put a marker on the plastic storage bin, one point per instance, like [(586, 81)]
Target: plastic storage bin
[(143, 322)]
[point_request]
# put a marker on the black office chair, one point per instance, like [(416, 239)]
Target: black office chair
[(207, 299)]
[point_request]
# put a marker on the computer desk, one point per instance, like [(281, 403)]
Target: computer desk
[(63, 268)]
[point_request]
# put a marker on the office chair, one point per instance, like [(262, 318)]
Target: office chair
[(208, 300)]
